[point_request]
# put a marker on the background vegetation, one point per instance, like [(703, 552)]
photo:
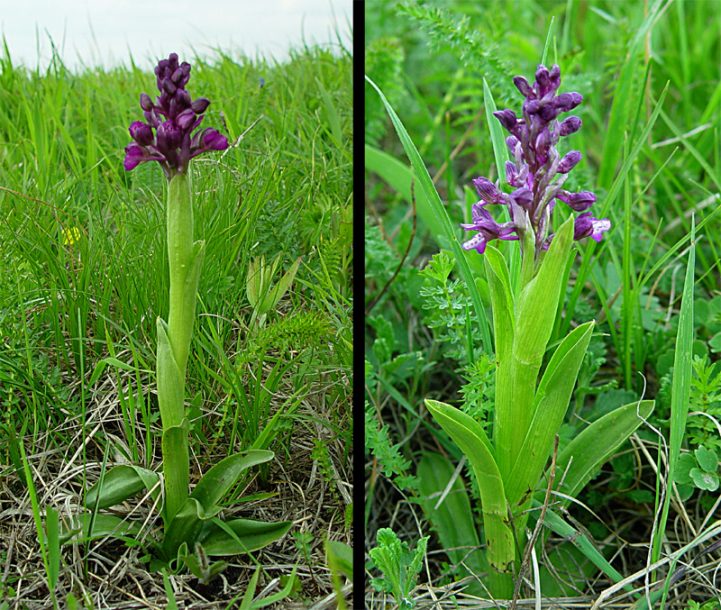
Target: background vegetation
[(85, 275), (652, 175)]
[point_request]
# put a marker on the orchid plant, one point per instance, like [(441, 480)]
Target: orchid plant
[(171, 135), (511, 466)]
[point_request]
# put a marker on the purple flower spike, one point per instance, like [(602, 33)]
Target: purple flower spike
[(588, 226), (537, 170), (169, 135)]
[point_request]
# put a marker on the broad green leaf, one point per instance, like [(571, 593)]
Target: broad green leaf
[(580, 460), (284, 284), (253, 281), (176, 467), (218, 481), (185, 527), (704, 480), (119, 483), (202, 505), (499, 284), (535, 315), (340, 556), (441, 220), (453, 520), (707, 459), (240, 536), (549, 410), (472, 441)]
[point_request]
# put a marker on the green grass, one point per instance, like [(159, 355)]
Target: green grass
[(77, 316), (651, 140)]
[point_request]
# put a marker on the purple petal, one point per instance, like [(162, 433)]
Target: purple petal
[(145, 102), (200, 105), (185, 119), (587, 226), (134, 155), (477, 242), (507, 118), (567, 101), (487, 190), (213, 140)]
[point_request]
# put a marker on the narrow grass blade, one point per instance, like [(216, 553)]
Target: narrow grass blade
[(680, 388), (557, 525)]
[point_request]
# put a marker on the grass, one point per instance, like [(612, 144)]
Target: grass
[(86, 275), (651, 139)]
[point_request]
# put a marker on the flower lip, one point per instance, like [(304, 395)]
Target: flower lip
[(588, 226)]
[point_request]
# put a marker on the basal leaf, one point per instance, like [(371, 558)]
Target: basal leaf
[(580, 460), (119, 483), (453, 518), (240, 536), (216, 483), (471, 439)]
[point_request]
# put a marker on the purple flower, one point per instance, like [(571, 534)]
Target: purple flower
[(488, 229), (168, 135), (537, 172), (588, 226)]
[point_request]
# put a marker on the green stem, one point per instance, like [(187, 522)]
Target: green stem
[(180, 259), (184, 261)]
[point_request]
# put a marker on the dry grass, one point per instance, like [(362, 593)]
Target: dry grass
[(111, 575)]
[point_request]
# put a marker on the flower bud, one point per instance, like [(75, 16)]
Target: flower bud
[(507, 118), (569, 161), (570, 125), (141, 133), (523, 86), (145, 102), (200, 105)]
